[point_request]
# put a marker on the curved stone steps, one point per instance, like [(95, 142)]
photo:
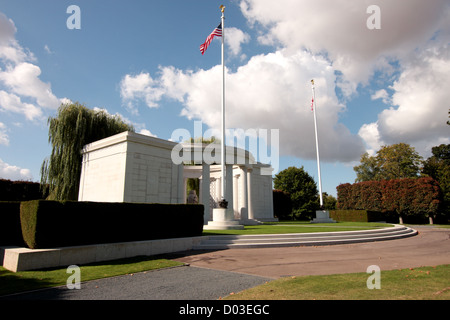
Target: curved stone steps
[(304, 239)]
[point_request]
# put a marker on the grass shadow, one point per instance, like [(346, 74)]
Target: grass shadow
[(11, 282)]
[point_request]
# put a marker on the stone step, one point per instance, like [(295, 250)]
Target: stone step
[(313, 234), (302, 239)]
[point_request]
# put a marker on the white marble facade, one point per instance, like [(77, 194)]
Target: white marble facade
[(131, 167)]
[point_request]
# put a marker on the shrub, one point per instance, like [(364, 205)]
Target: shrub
[(49, 224), (20, 190), (357, 215), (282, 205), (10, 230), (413, 198), (302, 189)]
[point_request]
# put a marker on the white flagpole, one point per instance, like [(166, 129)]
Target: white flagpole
[(317, 143), (222, 7)]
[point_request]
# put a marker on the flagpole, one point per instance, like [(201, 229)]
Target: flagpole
[(317, 143), (222, 8)]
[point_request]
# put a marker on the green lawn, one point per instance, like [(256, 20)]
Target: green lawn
[(300, 227), (423, 283), (11, 282)]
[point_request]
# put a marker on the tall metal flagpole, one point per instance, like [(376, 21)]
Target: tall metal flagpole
[(222, 8), (317, 142)]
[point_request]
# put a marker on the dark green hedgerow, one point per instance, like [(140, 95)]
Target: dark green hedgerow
[(357, 215), (10, 231), (48, 224)]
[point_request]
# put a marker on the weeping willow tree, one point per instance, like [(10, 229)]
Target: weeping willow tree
[(74, 126)]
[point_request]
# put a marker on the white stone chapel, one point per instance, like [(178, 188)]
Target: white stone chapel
[(131, 167)]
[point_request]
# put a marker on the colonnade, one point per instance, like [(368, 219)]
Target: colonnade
[(239, 183)]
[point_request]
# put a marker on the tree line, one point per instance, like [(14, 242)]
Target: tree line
[(401, 161), (397, 169)]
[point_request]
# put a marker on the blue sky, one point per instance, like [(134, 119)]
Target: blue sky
[(141, 59)]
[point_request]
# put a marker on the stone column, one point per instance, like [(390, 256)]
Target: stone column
[(184, 190), (270, 194), (249, 194), (181, 187), (237, 215), (205, 193), (229, 187), (200, 190), (243, 190), (223, 218)]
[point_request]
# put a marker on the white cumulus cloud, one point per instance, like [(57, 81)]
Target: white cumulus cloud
[(21, 89), (410, 52), (139, 87), (235, 38), (420, 102), (11, 172), (23, 79), (339, 28), (4, 139), (12, 103), (327, 41), (271, 91), (381, 94)]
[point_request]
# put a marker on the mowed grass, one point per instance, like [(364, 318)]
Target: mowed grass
[(424, 283), (11, 282), (300, 227)]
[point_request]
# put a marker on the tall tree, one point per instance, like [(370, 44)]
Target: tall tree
[(74, 126), (391, 162), (438, 167), (368, 168), (302, 189), (329, 202)]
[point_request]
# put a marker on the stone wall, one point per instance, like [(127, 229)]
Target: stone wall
[(130, 167), (261, 193)]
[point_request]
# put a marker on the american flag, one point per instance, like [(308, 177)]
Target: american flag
[(216, 32), (312, 105)]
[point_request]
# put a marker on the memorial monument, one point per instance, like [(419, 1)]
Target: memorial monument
[(131, 167)]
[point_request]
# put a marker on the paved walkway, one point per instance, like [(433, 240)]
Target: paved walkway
[(430, 247), (212, 275), (179, 283)]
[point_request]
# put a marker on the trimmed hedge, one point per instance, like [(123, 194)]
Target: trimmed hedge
[(10, 230), (20, 190), (402, 197), (50, 224), (357, 215)]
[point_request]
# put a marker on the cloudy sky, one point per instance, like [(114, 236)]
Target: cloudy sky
[(141, 59)]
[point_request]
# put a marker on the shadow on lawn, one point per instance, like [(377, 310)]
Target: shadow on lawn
[(11, 282)]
